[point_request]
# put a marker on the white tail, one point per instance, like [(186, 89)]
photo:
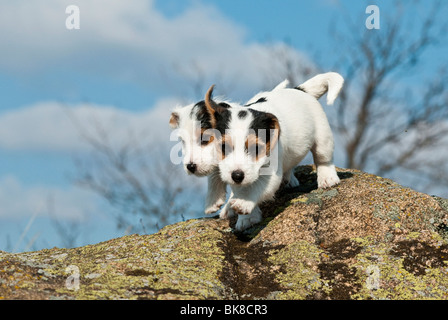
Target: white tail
[(320, 84)]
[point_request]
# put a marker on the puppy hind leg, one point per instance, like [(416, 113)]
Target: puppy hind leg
[(290, 179), (323, 158), (327, 176)]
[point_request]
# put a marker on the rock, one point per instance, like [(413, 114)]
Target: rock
[(367, 238)]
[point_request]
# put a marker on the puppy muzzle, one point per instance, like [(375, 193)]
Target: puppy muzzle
[(238, 176), (191, 167)]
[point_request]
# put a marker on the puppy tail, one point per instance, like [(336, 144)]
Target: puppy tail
[(320, 84)]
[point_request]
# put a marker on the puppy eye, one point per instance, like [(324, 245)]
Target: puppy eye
[(206, 139), (226, 148), (255, 150)]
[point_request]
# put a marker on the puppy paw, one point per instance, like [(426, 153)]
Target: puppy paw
[(327, 181), (226, 211), (214, 207), (327, 176), (247, 221), (242, 206)]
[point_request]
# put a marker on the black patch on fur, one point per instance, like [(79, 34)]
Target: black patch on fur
[(203, 116), (242, 114), (261, 100), (262, 120), (224, 105), (300, 88), (222, 119), (200, 112)]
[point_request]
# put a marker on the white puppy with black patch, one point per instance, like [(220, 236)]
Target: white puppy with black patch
[(193, 127), (262, 142), (196, 129)]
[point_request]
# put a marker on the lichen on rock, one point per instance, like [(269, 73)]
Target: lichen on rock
[(366, 238)]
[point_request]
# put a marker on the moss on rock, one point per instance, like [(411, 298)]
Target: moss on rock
[(367, 238)]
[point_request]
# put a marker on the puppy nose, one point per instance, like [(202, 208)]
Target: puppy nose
[(238, 176), (191, 167)]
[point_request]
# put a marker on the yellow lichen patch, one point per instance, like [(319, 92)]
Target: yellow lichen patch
[(168, 264), (300, 278), (366, 238), (389, 274), (302, 199)]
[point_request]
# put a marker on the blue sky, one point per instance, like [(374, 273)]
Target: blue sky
[(129, 60)]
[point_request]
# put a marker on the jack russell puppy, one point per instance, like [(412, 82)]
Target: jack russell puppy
[(197, 125), (259, 144)]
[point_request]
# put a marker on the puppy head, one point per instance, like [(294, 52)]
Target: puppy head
[(246, 146), (196, 128)]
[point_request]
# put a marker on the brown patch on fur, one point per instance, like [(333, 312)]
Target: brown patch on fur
[(229, 146), (205, 141), (211, 105), (275, 134), (253, 141), (174, 120)]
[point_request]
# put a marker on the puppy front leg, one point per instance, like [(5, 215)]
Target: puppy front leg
[(226, 211), (246, 206), (248, 220), (216, 193), (246, 199)]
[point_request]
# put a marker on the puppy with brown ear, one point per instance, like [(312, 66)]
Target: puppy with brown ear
[(203, 148), (263, 142), (199, 127), (194, 126)]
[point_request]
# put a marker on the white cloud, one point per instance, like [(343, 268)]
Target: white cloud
[(21, 201), (132, 41), (51, 126), (121, 40), (37, 36)]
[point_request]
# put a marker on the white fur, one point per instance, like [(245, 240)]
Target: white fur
[(204, 157), (206, 160), (282, 85), (207, 164), (193, 152), (303, 127), (320, 84)]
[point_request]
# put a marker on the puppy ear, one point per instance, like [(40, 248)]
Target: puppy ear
[(174, 120), (274, 132), (212, 106)]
